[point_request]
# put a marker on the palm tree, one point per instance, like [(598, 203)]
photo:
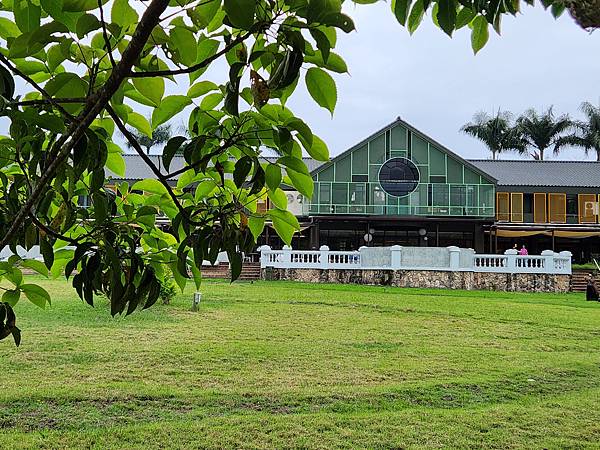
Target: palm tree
[(542, 131), (495, 132), (159, 136), (586, 134)]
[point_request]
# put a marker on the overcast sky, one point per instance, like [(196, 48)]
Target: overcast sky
[(436, 83)]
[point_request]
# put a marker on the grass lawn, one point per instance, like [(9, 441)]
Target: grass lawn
[(275, 364)]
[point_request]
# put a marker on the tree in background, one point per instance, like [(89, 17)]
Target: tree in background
[(496, 132), (85, 66), (542, 131), (160, 135), (586, 133)]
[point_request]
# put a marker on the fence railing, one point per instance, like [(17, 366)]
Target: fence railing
[(417, 258)]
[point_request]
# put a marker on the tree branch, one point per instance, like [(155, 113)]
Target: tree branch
[(52, 232), (94, 105), (49, 102), (105, 35), (200, 65), (140, 151), (37, 87)]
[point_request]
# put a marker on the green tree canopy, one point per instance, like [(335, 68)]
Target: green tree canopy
[(496, 132), (586, 133), (543, 131), (86, 66)]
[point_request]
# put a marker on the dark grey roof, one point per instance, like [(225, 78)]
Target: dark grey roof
[(541, 173), (136, 168)]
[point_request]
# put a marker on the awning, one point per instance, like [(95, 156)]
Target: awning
[(557, 233)]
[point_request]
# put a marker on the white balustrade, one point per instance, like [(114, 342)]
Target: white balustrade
[(457, 260)]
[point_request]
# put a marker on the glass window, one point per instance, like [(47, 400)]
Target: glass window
[(457, 195), (539, 207), (358, 178), (326, 174), (516, 207), (420, 150), (324, 193), (437, 162), (455, 171), (377, 150), (399, 177), (557, 208), (339, 194), (360, 161), (502, 207), (342, 169), (399, 138), (440, 195)]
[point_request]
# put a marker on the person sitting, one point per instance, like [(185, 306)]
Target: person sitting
[(591, 291)]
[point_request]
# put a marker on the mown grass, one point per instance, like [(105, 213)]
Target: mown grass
[(274, 365)]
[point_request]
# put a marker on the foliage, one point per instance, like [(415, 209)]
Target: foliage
[(495, 132), (542, 131), (85, 66), (586, 133), (288, 365), (168, 290), (159, 135)]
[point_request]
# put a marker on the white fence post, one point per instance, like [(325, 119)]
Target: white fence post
[(511, 260), (454, 257), (324, 256), (396, 256), (548, 261), (286, 255), (264, 255)]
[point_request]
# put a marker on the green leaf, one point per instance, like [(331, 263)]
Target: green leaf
[(87, 23), (11, 296), (151, 88), (52, 7), (317, 150), (169, 107), (115, 161), (27, 15), (80, 5), (201, 88), (240, 12), (479, 33), (335, 63), (416, 16), (464, 17), (8, 28), (446, 15), (202, 14), (241, 170), (209, 102), (293, 163), (278, 198), (55, 56), (14, 275), (400, 9), (149, 185), (36, 294), (302, 182), (38, 266), (321, 88), (123, 14), (273, 176), (173, 145), (256, 225), (184, 42), (140, 123), (285, 224), (65, 85)]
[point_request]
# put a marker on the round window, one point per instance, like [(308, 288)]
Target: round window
[(398, 176)]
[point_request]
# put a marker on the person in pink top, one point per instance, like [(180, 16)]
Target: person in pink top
[(523, 251)]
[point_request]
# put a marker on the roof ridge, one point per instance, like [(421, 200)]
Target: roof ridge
[(535, 161)]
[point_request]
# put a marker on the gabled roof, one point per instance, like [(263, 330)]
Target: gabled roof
[(416, 132), (542, 173)]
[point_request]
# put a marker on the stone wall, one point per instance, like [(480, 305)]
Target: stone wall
[(518, 282)]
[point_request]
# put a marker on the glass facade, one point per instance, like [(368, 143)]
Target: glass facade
[(442, 185)]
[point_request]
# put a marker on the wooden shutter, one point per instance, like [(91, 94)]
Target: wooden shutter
[(588, 208), (516, 207), (557, 208), (539, 207), (502, 207)]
